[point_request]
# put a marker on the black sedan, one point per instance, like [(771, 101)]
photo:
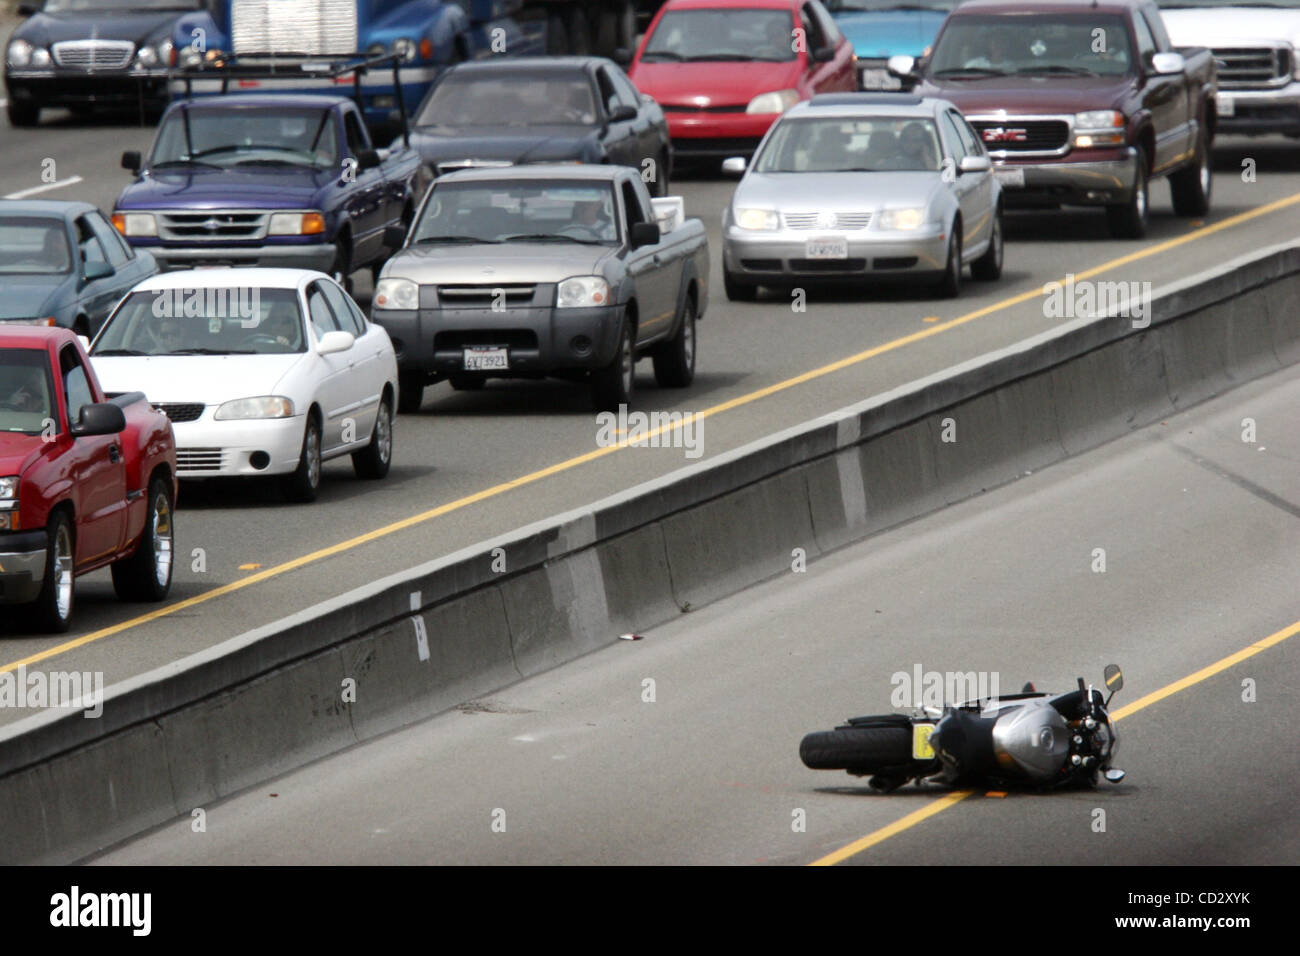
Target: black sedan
[(542, 110)]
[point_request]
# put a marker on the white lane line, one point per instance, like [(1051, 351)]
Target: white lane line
[(24, 193)]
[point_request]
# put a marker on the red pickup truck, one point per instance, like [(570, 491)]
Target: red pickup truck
[(84, 481)]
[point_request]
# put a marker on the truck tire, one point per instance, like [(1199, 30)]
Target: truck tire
[(612, 385), (1190, 187), (1128, 220), (147, 574), (949, 286), (410, 392), (341, 268), (52, 610), (859, 749), (674, 361), (373, 461), (988, 267), (23, 114), (303, 484), (736, 290)]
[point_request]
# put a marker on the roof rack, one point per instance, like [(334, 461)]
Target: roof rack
[(272, 65)]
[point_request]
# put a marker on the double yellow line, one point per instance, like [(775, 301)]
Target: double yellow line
[(563, 466)]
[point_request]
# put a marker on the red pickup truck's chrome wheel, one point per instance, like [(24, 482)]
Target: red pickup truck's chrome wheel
[(162, 539), (63, 562)]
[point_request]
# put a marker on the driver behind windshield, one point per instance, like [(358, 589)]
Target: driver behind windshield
[(22, 389), (591, 220)]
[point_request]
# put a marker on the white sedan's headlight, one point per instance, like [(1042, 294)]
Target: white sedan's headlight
[(264, 406), (9, 488), (777, 102), (757, 218), (396, 294), (136, 224), (582, 291), (905, 219), (20, 53)]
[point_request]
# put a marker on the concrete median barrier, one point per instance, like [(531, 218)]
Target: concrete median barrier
[(400, 649)]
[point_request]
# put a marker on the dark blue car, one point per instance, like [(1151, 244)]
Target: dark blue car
[(287, 180), (61, 263)]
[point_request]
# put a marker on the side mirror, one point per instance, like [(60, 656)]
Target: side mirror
[(1164, 63), (622, 112), (332, 342), (1114, 678), (622, 56), (974, 164), (367, 159), (103, 418), (823, 54), (131, 160), (394, 236), (901, 64), (733, 166), (97, 270), (644, 234)]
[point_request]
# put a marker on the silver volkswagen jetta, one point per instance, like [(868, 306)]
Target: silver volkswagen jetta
[(855, 186)]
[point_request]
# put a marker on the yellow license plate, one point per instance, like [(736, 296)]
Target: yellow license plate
[(921, 749)]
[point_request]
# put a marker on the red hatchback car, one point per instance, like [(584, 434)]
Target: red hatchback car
[(724, 70)]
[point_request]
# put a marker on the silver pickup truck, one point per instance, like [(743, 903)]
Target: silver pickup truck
[(544, 270)]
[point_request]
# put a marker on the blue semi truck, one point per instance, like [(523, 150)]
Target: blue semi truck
[(429, 35)]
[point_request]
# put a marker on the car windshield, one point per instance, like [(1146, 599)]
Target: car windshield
[(34, 246), (511, 99), (26, 392), (1046, 44), (877, 144), (838, 6), (90, 6), (725, 35), (205, 321), (237, 137), (532, 211)]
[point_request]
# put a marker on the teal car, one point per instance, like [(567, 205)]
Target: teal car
[(879, 29), (63, 264)]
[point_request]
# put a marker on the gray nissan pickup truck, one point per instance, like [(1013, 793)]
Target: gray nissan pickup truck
[(532, 271)]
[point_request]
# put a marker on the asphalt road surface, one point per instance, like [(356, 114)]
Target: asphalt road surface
[(1201, 539), (473, 465)]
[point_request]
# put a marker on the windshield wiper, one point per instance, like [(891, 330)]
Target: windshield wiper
[(430, 239), (721, 58), (971, 71), (1057, 69), (183, 162), (210, 352), (267, 161), (118, 352), (551, 237), (662, 55)]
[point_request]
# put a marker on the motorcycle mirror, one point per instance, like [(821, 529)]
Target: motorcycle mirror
[(1114, 776), (1114, 678)]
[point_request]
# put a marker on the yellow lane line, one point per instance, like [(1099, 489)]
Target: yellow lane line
[(819, 372)]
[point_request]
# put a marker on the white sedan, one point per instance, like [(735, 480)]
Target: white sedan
[(261, 371)]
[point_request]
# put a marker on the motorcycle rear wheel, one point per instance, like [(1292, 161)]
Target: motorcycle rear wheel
[(860, 750)]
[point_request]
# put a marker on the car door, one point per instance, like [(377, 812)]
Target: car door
[(651, 141), (842, 74), (1164, 96), (362, 386), (95, 297), (367, 194), (126, 265), (967, 187), (657, 272), (334, 385), (984, 183), (620, 136), (98, 471)]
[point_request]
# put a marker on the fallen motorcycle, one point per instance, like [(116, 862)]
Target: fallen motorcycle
[(1026, 739)]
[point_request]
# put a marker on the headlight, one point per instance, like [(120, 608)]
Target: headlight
[(135, 223), (582, 291), (9, 488), (906, 219), (757, 219), (777, 102), (296, 224), (48, 321), (20, 53), (405, 48), (396, 294), (264, 406), (376, 49), (40, 56), (1099, 119), (147, 56)]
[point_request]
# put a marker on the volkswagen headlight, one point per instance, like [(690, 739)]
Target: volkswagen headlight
[(20, 54), (263, 406), (757, 219), (396, 294), (777, 102), (582, 292), (135, 223), (902, 219)]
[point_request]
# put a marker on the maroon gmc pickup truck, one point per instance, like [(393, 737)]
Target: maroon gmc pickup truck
[(85, 481), (1079, 103)]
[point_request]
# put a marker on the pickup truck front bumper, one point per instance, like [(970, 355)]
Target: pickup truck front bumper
[(22, 566), (539, 340), (319, 256), (1097, 182), (1260, 112)]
